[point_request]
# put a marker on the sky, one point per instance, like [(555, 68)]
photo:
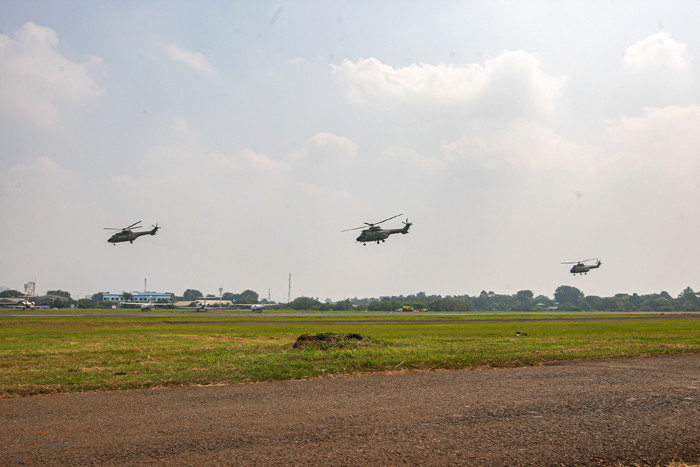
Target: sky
[(514, 135)]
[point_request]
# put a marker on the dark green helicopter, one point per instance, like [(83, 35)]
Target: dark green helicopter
[(580, 268), (127, 235), (376, 234)]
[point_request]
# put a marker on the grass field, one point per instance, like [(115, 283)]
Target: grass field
[(64, 354)]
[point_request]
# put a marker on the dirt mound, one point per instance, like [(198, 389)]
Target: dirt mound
[(329, 340)]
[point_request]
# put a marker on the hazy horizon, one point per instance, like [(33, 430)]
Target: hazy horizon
[(514, 135)]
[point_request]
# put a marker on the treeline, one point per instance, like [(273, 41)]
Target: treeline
[(565, 298)]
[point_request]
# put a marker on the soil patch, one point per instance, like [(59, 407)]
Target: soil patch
[(330, 340)]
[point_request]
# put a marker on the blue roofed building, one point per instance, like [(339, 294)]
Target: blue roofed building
[(139, 297)]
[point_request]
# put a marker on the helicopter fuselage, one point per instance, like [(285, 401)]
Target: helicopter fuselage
[(376, 234), (580, 268), (129, 235)]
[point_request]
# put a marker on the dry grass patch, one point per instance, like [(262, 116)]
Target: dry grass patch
[(222, 338)]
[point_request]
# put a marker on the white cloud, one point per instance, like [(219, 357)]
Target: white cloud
[(514, 74), (195, 60), (184, 159), (326, 146), (368, 80), (656, 51), (42, 165), (36, 80), (425, 164), (324, 160), (664, 139), (521, 144)]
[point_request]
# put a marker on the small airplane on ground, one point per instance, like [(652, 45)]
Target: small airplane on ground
[(146, 306), (257, 307), (376, 234), (126, 234), (580, 268)]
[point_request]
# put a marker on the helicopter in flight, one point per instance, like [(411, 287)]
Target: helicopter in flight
[(125, 234), (580, 268), (376, 234)]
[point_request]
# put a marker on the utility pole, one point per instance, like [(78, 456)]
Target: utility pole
[(289, 292)]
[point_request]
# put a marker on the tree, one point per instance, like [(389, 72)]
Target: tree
[(382, 305), (524, 295), (304, 303), (448, 304), (482, 302), (542, 302), (623, 302), (59, 293), (248, 296), (663, 304), (524, 300), (343, 305), (688, 300), (191, 295), (11, 294), (594, 302), (567, 295)]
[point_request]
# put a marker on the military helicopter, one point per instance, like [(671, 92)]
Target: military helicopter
[(125, 234), (580, 268), (376, 234)]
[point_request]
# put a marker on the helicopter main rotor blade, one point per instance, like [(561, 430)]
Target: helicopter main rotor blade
[(356, 228), (133, 225), (372, 225), (387, 219), (581, 261)]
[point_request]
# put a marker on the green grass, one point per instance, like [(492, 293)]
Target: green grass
[(59, 354)]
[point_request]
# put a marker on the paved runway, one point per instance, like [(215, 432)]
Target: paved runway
[(641, 410)]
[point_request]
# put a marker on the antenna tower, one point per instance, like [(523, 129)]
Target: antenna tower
[(289, 292)]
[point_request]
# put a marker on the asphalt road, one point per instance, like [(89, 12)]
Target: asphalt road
[(644, 411)]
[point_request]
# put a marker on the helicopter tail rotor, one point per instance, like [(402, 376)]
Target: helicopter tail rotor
[(407, 225), (155, 229)]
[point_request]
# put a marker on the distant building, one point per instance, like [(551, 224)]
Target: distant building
[(140, 297), (9, 302)]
